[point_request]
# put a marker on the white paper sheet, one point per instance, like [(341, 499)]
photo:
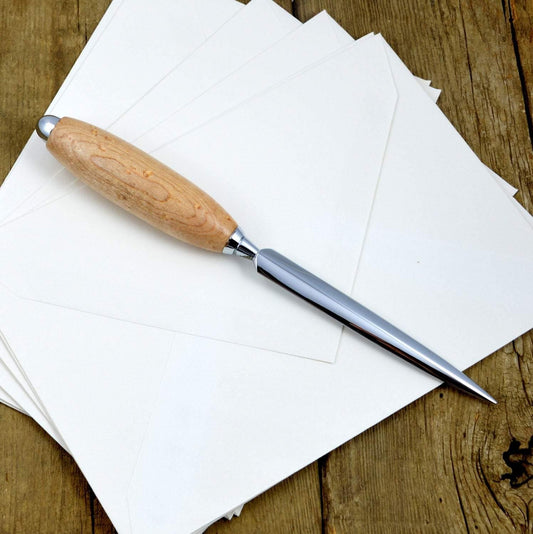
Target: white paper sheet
[(310, 44), (16, 396), (455, 235), (314, 40), (90, 84), (266, 21), (306, 136), (98, 379), (256, 27)]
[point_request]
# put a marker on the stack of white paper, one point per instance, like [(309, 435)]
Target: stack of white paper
[(182, 384)]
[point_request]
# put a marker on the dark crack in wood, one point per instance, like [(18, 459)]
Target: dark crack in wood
[(520, 69)]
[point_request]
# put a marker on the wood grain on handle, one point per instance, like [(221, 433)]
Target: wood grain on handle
[(140, 184)]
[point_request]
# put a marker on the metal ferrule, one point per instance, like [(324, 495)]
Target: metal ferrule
[(239, 245)]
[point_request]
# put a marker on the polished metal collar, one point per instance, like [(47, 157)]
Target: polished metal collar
[(239, 245)]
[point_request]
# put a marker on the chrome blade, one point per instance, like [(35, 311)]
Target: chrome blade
[(307, 286)]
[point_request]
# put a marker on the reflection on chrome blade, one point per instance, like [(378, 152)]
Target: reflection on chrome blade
[(320, 294)]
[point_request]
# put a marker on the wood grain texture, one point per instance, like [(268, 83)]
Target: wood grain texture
[(140, 184), (444, 464), (520, 16), (294, 505)]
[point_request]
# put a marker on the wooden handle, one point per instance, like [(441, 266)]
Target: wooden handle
[(140, 184)]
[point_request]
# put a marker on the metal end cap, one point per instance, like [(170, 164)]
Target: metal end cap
[(45, 125)]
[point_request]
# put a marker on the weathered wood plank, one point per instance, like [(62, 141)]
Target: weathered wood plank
[(291, 506), (40, 42), (520, 16), (437, 466), (41, 488)]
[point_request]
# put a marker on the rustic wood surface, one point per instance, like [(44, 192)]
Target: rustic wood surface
[(443, 464)]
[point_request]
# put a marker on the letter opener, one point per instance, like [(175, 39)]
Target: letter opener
[(155, 193)]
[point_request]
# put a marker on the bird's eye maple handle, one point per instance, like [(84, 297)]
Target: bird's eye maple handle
[(138, 183)]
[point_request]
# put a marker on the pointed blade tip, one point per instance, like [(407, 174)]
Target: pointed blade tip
[(491, 399), (480, 393)]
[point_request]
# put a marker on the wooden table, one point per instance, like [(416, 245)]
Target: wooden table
[(440, 464)]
